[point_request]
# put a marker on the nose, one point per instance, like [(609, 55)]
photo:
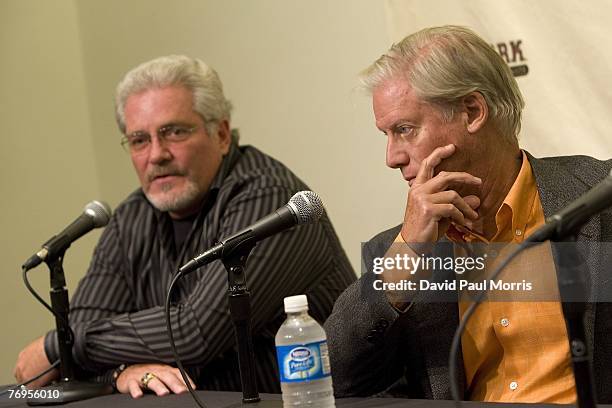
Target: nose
[(397, 154), (159, 151)]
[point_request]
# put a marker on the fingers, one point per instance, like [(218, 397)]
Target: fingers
[(433, 204), (174, 381), (169, 380), (472, 200), (426, 171), (444, 180), (134, 388), (158, 378), (451, 212), (158, 387), (181, 378), (433, 201), (452, 197)]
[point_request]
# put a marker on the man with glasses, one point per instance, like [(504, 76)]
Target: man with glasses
[(197, 187)]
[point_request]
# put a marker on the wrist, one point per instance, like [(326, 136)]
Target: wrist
[(116, 373)]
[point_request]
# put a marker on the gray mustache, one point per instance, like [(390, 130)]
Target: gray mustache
[(163, 171)]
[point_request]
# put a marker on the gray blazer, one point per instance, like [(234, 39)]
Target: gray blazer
[(375, 350)]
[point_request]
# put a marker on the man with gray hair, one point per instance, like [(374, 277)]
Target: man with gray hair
[(451, 111), (197, 187)]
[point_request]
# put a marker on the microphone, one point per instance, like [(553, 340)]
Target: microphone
[(303, 208), (96, 214), (571, 218)]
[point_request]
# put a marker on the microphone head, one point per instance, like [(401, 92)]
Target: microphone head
[(306, 206), (99, 211)]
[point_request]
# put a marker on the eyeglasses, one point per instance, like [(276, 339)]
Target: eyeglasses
[(139, 142)]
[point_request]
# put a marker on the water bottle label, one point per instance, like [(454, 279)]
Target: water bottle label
[(299, 362)]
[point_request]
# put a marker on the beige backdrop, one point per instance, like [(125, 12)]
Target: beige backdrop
[(48, 167)]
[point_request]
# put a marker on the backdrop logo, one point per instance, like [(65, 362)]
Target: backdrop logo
[(512, 52)]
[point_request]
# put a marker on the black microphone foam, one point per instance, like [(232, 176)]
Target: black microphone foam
[(96, 214)]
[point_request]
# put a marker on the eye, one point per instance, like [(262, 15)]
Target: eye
[(404, 130), (175, 133), (138, 140), (178, 130)]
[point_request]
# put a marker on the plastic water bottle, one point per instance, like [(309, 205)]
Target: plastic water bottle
[(303, 360)]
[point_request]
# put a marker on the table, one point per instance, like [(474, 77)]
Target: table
[(217, 399)]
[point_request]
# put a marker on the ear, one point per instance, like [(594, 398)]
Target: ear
[(224, 136), (477, 111)]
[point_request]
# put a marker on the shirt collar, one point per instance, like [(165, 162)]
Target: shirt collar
[(519, 201), (229, 160), (512, 215)]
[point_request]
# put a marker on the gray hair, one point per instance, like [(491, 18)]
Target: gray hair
[(177, 70), (443, 65)]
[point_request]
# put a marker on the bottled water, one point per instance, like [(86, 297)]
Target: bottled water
[(303, 361)]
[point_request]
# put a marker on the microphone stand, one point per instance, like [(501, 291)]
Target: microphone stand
[(69, 388), (239, 299), (240, 310), (573, 291)]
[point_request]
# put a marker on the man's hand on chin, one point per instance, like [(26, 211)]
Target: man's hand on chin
[(32, 360), (432, 205)]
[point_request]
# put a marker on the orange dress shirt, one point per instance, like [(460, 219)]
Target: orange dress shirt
[(518, 351)]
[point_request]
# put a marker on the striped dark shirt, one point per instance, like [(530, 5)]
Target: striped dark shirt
[(117, 311)]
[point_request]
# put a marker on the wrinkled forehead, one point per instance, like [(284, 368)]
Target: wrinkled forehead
[(396, 100), (156, 107)]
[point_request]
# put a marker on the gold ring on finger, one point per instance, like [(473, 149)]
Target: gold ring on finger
[(146, 378)]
